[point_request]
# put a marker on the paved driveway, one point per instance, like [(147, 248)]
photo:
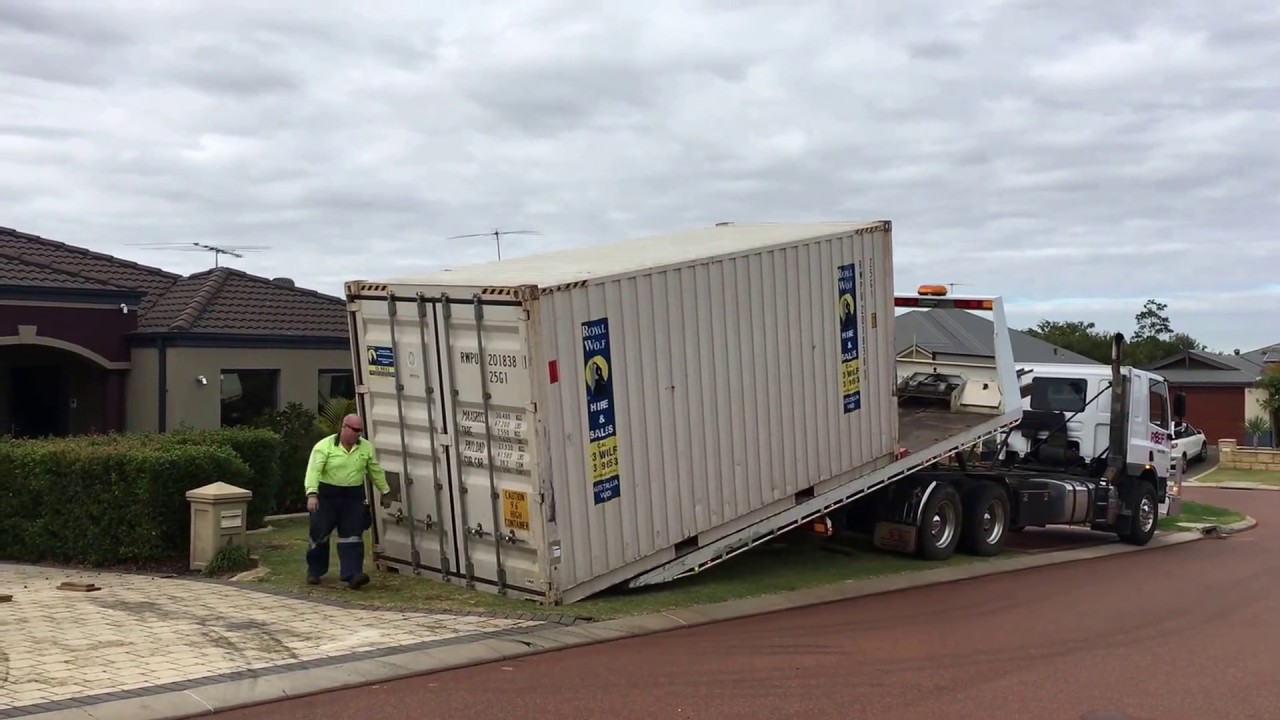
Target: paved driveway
[(141, 635)]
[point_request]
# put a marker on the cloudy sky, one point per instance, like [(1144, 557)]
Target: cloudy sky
[(1076, 157)]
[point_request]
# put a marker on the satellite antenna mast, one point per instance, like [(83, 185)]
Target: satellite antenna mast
[(497, 236), (217, 250)]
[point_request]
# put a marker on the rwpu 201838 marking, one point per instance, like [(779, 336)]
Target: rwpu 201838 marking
[(602, 429), (847, 314), (496, 364), (382, 361)]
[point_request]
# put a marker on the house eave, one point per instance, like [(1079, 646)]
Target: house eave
[(240, 340)]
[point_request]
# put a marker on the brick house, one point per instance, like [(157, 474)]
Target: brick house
[(94, 343)]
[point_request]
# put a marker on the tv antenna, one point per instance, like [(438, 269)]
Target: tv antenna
[(497, 236), (217, 250)]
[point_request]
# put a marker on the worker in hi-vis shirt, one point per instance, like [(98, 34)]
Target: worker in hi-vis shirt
[(336, 501)]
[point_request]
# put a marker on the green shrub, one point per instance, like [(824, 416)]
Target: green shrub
[(259, 448), (299, 431), (229, 560), (83, 500)]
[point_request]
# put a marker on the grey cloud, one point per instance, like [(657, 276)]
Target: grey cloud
[(40, 18), (1040, 150)]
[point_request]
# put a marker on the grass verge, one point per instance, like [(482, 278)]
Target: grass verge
[(801, 562), (1194, 514), (1226, 475)]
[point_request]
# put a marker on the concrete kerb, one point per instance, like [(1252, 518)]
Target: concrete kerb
[(256, 691)]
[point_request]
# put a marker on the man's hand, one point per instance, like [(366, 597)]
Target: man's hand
[(313, 502)]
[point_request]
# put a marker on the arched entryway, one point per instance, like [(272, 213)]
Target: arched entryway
[(50, 387)]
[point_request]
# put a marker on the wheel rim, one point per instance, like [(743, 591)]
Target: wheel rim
[(1146, 513), (993, 522), (943, 526)]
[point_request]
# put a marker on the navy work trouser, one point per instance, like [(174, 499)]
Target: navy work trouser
[(341, 509)]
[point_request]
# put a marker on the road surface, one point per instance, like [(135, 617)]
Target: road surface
[(1181, 633)]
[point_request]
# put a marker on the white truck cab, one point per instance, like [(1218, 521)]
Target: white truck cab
[(1079, 396)]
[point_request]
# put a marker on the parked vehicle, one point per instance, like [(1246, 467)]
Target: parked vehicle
[(558, 424), (1189, 444)]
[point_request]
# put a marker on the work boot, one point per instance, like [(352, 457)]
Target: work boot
[(313, 580), (358, 582)]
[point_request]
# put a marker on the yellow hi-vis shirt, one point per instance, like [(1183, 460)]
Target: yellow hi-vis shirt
[(333, 464)]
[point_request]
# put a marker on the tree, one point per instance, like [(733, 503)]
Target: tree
[(1152, 322), (1076, 336), (1152, 340)]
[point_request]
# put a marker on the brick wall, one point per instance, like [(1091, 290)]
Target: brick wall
[(1238, 458)]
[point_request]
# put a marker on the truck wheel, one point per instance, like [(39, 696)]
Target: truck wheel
[(939, 530), (986, 518), (1146, 511)]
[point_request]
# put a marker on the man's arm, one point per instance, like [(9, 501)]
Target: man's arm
[(377, 473), (314, 466)]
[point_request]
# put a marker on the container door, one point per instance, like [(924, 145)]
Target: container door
[(404, 417), (488, 392)]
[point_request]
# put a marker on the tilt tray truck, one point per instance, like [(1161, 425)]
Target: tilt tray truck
[(630, 413)]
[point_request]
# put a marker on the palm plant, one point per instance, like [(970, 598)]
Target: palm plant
[(335, 409), (1269, 383), (1256, 428)]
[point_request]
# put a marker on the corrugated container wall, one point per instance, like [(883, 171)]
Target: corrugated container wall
[(644, 398)]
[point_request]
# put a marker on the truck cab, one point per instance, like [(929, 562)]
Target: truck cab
[(1066, 420)]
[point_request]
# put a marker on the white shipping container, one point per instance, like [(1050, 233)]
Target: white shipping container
[(572, 419)]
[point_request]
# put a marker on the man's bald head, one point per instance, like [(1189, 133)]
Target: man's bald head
[(351, 430)]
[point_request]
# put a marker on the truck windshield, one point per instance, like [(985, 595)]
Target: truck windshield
[(1059, 394)]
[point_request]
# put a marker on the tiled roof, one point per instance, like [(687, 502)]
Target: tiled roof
[(1196, 367), (17, 270), (111, 271), (953, 331), (1263, 355), (222, 300), (226, 300)]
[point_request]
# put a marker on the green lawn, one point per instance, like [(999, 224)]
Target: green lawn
[(1225, 475), (800, 563), (1199, 513)]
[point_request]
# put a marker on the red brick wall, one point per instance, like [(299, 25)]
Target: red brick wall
[(1218, 411)]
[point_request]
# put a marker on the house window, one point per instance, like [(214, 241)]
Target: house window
[(335, 384), (248, 395)]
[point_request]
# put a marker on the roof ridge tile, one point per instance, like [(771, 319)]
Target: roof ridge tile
[(200, 301)]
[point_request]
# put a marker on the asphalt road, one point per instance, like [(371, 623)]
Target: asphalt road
[(1181, 633)]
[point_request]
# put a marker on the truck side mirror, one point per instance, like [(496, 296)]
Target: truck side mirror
[(1180, 405)]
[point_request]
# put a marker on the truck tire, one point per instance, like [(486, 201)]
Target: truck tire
[(1146, 513), (940, 524), (986, 520)]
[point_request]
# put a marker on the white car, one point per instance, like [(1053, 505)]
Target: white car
[(1189, 444)]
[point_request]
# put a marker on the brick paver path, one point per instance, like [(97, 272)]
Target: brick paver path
[(143, 634)]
